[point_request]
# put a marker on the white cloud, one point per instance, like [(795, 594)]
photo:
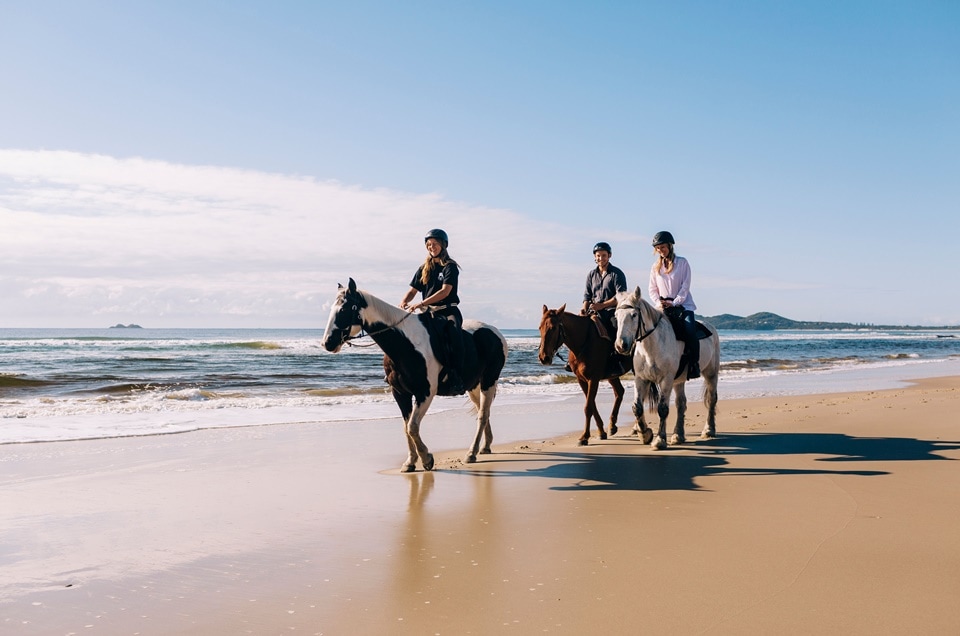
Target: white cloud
[(90, 240)]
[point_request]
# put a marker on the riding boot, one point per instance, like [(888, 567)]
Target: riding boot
[(616, 365), (692, 345), (455, 382)]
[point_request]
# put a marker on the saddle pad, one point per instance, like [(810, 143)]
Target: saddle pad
[(679, 328)]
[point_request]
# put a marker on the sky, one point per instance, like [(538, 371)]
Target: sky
[(228, 163)]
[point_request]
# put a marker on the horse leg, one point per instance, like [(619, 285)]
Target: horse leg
[(405, 402), (486, 404), (679, 437), (481, 401), (641, 388), (414, 442), (589, 389), (617, 399), (710, 401), (663, 410)]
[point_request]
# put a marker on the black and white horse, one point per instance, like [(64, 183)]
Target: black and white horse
[(412, 366), (646, 332)]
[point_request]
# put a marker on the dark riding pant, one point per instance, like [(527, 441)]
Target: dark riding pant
[(453, 336), (691, 339)]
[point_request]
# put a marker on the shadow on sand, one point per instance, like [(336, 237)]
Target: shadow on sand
[(666, 470)]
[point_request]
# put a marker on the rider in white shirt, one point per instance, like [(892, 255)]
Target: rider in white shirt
[(669, 289)]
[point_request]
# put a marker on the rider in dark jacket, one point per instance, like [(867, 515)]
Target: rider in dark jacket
[(436, 280), (604, 282)]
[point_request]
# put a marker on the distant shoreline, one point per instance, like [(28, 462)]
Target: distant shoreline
[(766, 321), (122, 326)]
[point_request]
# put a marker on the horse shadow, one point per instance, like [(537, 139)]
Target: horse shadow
[(677, 472), (837, 447)]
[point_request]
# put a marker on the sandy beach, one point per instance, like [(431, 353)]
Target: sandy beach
[(831, 513)]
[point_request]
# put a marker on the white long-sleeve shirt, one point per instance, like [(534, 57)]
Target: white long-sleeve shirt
[(675, 285)]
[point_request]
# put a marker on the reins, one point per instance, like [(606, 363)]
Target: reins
[(347, 340)]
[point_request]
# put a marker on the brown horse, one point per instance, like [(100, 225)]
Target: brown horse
[(589, 359)]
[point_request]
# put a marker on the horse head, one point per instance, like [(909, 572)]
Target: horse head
[(629, 318), (345, 321), (551, 333)]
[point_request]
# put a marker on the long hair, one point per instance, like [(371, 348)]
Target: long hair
[(665, 262), (441, 260)]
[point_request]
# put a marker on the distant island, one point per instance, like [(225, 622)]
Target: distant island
[(130, 326), (767, 321)]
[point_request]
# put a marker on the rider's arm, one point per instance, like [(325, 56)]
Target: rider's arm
[(587, 293), (653, 289), (404, 304), (434, 298), (686, 275)]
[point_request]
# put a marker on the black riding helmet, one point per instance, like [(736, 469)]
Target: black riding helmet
[(663, 237), (438, 234), (602, 245)]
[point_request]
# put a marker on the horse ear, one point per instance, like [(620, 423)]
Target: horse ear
[(352, 286), (545, 310), (562, 309), (637, 291), (339, 286)]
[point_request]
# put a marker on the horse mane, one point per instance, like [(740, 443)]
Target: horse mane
[(636, 299), (378, 310)]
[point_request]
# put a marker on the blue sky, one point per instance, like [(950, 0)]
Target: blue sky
[(190, 164)]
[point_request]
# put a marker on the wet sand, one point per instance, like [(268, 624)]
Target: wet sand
[(831, 513)]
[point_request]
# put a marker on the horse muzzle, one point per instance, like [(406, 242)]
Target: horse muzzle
[(333, 342), (620, 346)]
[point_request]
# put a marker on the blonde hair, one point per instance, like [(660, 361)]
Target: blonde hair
[(665, 262), (441, 260)]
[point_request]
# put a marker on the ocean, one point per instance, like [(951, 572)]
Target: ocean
[(67, 384)]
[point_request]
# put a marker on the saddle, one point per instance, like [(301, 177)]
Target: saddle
[(602, 330), (437, 329), (676, 321)]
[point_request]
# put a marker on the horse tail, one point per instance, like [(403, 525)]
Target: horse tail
[(650, 393)]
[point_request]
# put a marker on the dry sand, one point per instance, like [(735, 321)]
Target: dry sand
[(813, 514)]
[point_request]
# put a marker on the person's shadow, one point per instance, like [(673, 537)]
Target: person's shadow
[(648, 471)]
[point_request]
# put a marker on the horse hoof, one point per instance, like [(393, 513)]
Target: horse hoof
[(647, 436), (470, 459), (407, 468), (485, 451), (658, 444), (676, 440), (603, 435), (613, 430), (428, 462), (708, 435), (581, 442)]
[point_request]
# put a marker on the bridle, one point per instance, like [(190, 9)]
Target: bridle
[(560, 337), (356, 320), (637, 337)]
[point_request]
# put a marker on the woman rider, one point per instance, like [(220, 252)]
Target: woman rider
[(437, 281), (669, 289)]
